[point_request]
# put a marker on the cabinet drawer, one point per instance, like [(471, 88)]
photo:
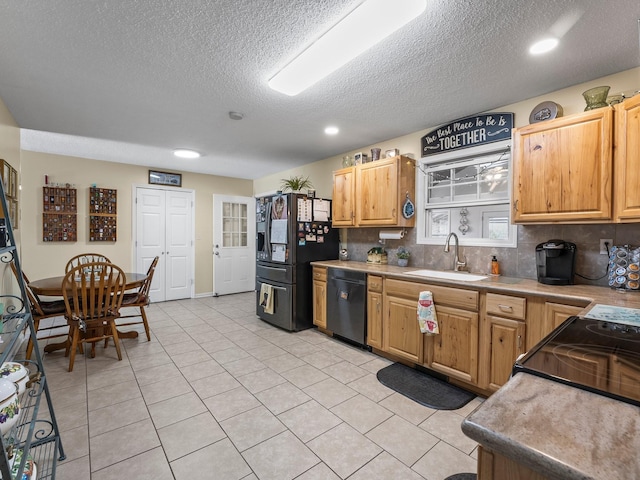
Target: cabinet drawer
[(320, 273), (454, 297), (506, 306), (374, 283)]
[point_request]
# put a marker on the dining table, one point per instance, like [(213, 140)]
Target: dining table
[(52, 287)]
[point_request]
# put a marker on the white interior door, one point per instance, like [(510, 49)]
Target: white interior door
[(164, 228), (150, 232), (178, 242), (234, 225)]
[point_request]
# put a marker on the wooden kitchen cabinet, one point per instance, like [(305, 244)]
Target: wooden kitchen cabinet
[(373, 194), (562, 169), (493, 466), (507, 340), (320, 296), (454, 351), (503, 331), (627, 160), (374, 311), (400, 332), (343, 201), (624, 377)]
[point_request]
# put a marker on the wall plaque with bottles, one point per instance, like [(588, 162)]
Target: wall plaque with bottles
[(103, 209), (59, 214)]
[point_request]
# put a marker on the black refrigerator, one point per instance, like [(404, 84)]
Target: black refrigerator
[(292, 231)]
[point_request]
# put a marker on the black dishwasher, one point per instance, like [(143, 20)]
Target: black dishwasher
[(347, 304)]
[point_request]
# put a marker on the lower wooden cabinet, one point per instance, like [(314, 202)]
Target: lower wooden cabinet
[(374, 311), (624, 377), (507, 340), (454, 351), (493, 466), (401, 333), (320, 297)]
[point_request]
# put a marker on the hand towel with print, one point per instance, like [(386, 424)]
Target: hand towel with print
[(266, 298), (427, 314)]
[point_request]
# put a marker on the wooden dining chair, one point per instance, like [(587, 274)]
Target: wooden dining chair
[(40, 310), (85, 258), (140, 300), (94, 293)]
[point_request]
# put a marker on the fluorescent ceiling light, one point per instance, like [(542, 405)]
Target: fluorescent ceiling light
[(184, 153), (331, 130), (345, 41), (543, 46)]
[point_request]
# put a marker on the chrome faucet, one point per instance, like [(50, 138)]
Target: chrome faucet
[(458, 265)]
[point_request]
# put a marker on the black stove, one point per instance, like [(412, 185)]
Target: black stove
[(595, 355)]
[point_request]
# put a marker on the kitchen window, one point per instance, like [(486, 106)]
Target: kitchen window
[(467, 192)]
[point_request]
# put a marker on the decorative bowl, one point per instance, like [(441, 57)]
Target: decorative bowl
[(9, 405), (17, 373)]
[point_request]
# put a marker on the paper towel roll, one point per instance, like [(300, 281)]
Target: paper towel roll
[(391, 235)]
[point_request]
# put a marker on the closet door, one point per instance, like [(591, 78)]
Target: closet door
[(164, 228)]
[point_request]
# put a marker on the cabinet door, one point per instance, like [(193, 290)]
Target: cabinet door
[(374, 319), (507, 342), (377, 200), (627, 161), (493, 466), (562, 169), (320, 303), (401, 333), (343, 214), (625, 377), (454, 351)]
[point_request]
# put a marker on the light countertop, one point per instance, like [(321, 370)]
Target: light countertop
[(587, 294), (559, 431)]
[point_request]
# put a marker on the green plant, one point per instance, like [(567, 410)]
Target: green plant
[(403, 253), (295, 183)]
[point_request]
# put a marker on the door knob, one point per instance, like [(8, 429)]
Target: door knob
[(217, 253)]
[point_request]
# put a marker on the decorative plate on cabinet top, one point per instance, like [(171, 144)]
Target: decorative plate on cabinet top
[(545, 111)]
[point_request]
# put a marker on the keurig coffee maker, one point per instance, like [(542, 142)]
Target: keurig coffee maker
[(556, 262)]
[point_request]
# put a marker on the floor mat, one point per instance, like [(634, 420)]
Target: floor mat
[(462, 476), (423, 388)]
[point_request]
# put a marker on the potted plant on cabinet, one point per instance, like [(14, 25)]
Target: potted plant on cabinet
[(403, 256)]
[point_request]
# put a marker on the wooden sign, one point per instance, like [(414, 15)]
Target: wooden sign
[(468, 132)]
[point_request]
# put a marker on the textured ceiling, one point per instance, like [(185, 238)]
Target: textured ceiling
[(129, 81)]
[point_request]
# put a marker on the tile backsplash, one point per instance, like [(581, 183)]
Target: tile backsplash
[(514, 262)]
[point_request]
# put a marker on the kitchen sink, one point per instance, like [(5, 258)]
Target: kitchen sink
[(463, 276)]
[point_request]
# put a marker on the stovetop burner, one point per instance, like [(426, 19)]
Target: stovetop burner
[(600, 356)]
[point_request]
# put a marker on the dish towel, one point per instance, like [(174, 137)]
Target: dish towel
[(266, 296), (427, 314)]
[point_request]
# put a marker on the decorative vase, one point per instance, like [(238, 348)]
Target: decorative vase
[(375, 154), (596, 97), (347, 161), (403, 262)]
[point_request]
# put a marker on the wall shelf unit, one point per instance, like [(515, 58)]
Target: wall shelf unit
[(59, 214), (103, 209)]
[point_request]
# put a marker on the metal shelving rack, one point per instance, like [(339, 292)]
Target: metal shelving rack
[(35, 434)]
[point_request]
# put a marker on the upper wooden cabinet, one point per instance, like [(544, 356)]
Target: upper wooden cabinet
[(627, 161), (343, 201), (375, 197), (563, 169)]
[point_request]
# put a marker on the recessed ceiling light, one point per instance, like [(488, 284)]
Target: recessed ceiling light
[(184, 153), (543, 46), (331, 130), (344, 41)]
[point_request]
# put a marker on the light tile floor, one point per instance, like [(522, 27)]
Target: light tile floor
[(220, 394)]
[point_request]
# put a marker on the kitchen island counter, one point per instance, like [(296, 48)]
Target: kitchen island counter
[(559, 431)]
